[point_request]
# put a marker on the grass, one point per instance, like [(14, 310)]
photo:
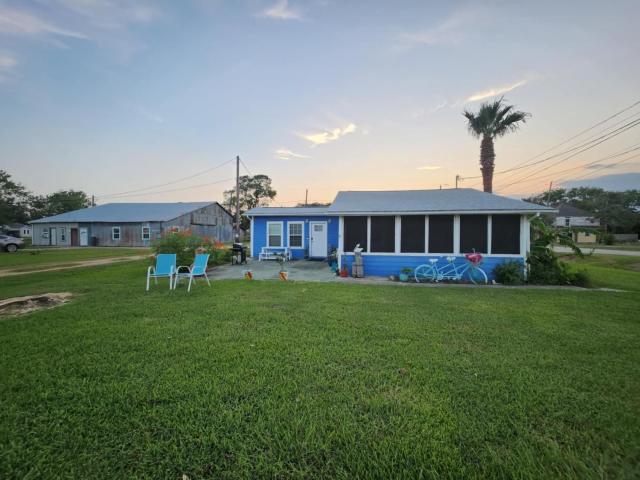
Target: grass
[(24, 260), (609, 271), (620, 246), (303, 380)]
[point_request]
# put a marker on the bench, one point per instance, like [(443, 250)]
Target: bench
[(272, 253)]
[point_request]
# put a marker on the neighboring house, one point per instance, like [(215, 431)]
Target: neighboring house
[(132, 224), (17, 230), (583, 223), (400, 229)]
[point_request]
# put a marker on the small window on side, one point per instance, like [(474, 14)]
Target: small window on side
[(115, 233), (146, 233)]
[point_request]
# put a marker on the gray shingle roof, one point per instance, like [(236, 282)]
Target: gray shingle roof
[(287, 211), (426, 201), (571, 211), (127, 212)]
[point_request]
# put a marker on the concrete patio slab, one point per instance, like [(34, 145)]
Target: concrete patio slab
[(305, 270)]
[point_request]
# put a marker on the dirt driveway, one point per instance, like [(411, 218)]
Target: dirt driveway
[(63, 266)]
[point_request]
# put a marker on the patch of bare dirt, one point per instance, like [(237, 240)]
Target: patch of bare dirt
[(32, 303)]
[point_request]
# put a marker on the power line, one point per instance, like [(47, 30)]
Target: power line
[(595, 170), (167, 183), (245, 167), (601, 140), (177, 189), (579, 134)]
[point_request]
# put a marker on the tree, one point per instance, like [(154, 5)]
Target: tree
[(14, 201), (58, 202), (255, 191), (493, 120)]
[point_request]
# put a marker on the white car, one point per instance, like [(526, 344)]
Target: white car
[(10, 244)]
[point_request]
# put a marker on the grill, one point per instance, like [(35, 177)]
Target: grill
[(238, 254)]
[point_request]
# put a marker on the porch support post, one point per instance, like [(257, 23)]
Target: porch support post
[(398, 233), (489, 233), (368, 234), (456, 234), (340, 240), (252, 231), (426, 234)]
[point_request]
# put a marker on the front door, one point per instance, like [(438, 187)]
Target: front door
[(84, 237), (53, 236), (318, 239), (74, 237)]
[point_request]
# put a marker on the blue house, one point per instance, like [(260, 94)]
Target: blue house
[(399, 229)]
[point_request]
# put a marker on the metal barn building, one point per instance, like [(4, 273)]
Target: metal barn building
[(132, 224)]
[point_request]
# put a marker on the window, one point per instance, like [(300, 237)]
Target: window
[(295, 234), (115, 233), (505, 234), (146, 233), (45, 234), (412, 234), (383, 234), (63, 234), (567, 221), (274, 234), (355, 232), (473, 233), (587, 234), (440, 233)]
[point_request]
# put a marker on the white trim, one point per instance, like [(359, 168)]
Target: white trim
[(489, 233), (443, 254), (523, 240), (368, 234), (295, 222), (340, 241), (253, 232), (456, 234), (142, 232), (398, 234), (281, 235), (435, 212), (326, 234), (113, 233), (426, 233)]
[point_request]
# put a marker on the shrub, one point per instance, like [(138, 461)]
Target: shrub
[(509, 273), (608, 239), (580, 278), (185, 245)]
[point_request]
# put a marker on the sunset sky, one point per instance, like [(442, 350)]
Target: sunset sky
[(109, 96)]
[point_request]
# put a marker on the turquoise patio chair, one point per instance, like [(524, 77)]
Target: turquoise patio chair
[(165, 268), (198, 269)]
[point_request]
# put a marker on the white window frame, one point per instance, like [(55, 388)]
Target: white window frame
[(281, 235), (113, 233), (63, 234), (148, 229), (289, 235)]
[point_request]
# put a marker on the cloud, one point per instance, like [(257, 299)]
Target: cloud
[(8, 63), (452, 30), (494, 92), (436, 108), (430, 167), (281, 11), (111, 14), (329, 135), (286, 154), (19, 22)]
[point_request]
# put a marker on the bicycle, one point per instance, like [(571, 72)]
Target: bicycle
[(451, 271)]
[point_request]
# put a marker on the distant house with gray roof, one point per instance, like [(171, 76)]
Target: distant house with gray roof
[(132, 224), (399, 229)]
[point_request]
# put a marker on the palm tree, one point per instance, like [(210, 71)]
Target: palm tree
[(494, 119)]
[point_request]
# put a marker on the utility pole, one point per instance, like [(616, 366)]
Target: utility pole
[(549, 193), (458, 178), (306, 197), (237, 198), (93, 200)]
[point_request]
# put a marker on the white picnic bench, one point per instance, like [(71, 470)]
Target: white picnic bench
[(272, 253)]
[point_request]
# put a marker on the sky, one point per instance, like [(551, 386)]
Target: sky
[(113, 97)]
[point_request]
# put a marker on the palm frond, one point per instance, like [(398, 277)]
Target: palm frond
[(473, 123), (494, 119), (511, 123)]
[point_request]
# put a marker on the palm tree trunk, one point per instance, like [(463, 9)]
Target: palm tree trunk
[(487, 162)]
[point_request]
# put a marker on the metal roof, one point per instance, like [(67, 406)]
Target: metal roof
[(127, 212), (425, 201), (566, 210), (287, 211)]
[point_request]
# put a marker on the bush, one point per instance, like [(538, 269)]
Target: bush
[(608, 239), (580, 278), (185, 245), (509, 273), (548, 270)]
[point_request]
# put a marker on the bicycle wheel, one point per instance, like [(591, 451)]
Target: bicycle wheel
[(477, 275), (425, 273)]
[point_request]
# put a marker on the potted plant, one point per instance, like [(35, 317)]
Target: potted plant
[(405, 273), (283, 274)]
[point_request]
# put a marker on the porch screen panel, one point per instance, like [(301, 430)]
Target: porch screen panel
[(355, 231), (473, 233), (440, 233), (412, 234), (505, 234), (383, 234)]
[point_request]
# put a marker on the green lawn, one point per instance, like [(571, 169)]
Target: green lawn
[(610, 271), (302, 380), (48, 257)]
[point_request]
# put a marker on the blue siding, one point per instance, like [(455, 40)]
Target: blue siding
[(259, 233), (385, 265)]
